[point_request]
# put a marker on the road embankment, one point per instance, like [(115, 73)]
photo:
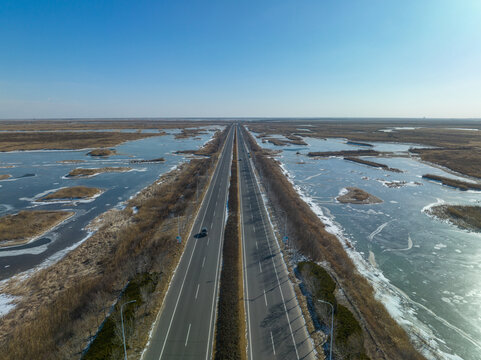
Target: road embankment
[(383, 337)]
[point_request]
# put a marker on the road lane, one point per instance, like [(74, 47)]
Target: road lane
[(275, 325), (185, 326)]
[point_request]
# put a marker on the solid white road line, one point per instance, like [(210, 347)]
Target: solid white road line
[(273, 347), (197, 292), (187, 338), (203, 262)]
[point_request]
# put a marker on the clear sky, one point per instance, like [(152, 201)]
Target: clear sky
[(200, 58)]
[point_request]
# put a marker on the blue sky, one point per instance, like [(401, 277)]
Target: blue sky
[(306, 58)]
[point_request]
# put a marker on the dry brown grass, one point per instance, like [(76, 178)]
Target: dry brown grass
[(61, 306), (465, 161), (459, 184), (65, 140), (5, 176), (358, 196), (465, 217), (21, 227), (187, 133), (384, 338), (371, 163), (80, 172), (74, 192), (99, 124)]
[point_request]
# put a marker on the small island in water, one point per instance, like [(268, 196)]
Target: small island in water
[(87, 172), (71, 193), (353, 195), (463, 216), (20, 228), (102, 152)]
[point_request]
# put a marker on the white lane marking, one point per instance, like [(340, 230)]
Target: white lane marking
[(273, 347), (209, 195), (260, 267), (265, 297), (203, 262), (254, 229), (214, 297), (211, 225), (187, 338), (273, 262), (257, 247), (197, 292), (214, 209), (208, 239)]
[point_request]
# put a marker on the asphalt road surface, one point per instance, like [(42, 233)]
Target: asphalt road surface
[(186, 324), (275, 326)]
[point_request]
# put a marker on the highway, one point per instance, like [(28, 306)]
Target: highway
[(186, 323), (275, 326)]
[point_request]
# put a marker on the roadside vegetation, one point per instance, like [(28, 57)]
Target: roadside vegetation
[(84, 172), (230, 342), (383, 337), (458, 184), (61, 308), (348, 338), (5, 176), (19, 228), (465, 217), (72, 193)]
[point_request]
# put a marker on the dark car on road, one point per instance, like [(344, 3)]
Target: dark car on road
[(203, 233)]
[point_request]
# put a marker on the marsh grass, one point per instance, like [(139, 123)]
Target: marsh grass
[(81, 172), (465, 217), (458, 184), (74, 192), (102, 152), (26, 224)]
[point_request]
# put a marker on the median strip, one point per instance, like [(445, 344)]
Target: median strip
[(230, 327)]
